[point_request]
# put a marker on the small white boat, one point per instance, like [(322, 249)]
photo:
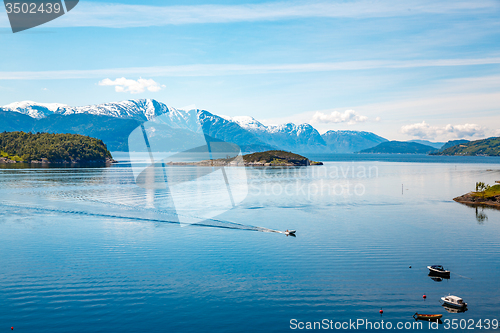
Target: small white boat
[(454, 301), (438, 270), (290, 232)]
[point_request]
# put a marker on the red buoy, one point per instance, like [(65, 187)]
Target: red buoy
[(12, 328), (424, 296), (381, 311)]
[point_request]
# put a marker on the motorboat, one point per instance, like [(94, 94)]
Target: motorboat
[(438, 270), (453, 301), (290, 232), (427, 317)]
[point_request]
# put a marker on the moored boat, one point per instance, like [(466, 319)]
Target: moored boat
[(428, 317), (438, 270), (454, 301)]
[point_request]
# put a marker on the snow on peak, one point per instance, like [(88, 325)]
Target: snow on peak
[(29, 104), (246, 122), (149, 109), (34, 109)]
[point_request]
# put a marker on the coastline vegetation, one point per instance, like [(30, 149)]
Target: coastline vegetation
[(486, 191), (484, 195), (47, 147), (486, 147), (10, 157)]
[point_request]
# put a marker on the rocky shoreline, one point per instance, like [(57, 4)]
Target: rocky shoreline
[(474, 200), (4, 160)]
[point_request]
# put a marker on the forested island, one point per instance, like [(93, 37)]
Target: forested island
[(277, 158), (266, 158), (21, 147)]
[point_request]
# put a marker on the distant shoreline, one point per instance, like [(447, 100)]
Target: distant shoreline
[(43, 161)]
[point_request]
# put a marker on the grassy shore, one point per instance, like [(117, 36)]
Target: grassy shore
[(489, 197), (488, 193)]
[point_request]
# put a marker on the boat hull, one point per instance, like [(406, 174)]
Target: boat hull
[(436, 272), (454, 305), (428, 317)]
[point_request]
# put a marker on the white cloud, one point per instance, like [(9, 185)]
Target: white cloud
[(103, 14), (243, 69), (132, 86), (424, 130), (350, 117)]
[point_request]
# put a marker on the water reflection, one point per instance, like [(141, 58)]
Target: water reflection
[(439, 321), (454, 310), (479, 209), (438, 277), (481, 216)]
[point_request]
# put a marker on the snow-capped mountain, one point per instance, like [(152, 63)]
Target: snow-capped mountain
[(142, 109), (351, 141), (103, 120), (247, 122), (289, 136), (34, 109)]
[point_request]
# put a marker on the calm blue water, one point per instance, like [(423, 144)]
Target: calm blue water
[(86, 250)]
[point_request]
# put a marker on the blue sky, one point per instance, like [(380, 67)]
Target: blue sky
[(403, 70)]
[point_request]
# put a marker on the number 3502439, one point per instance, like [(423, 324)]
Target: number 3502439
[(33, 8)]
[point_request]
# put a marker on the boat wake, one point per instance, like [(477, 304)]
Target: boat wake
[(108, 193), (464, 277), (212, 223)]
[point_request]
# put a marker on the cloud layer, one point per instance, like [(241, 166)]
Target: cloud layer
[(132, 86), (96, 14), (425, 131), (244, 69), (350, 117)]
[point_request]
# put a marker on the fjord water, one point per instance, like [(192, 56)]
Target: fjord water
[(86, 250)]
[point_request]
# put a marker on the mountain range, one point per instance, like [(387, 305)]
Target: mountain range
[(113, 122), (400, 147)]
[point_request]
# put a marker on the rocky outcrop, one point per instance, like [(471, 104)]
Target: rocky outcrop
[(475, 199)]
